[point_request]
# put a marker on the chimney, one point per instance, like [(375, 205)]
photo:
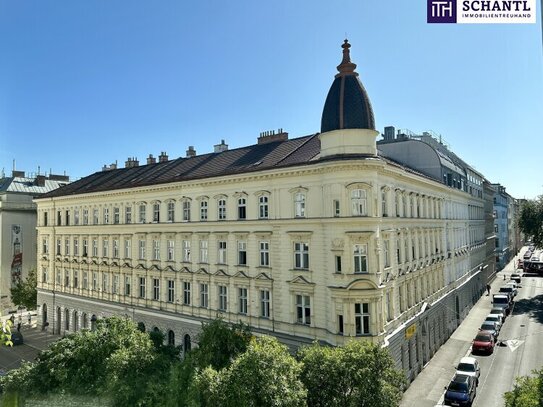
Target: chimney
[(191, 152), (54, 177), (112, 166), (219, 148), (151, 159), (390, 133), (131, 162), (16, 173), (40, 181), (163, 157), (271, 136)]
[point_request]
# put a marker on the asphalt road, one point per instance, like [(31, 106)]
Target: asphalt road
[(520, 353), (11, 357)]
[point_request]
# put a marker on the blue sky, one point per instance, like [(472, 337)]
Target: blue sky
[(86, 83)]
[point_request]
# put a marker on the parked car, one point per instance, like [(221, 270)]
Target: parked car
[(520, 264), (470, 367), (17, 338), (495, 318), (516, 277), (527, 255), (502, 301), (490, 327), (498, 311), (461, 391), (510, 287), (484, 343), (509, 291)]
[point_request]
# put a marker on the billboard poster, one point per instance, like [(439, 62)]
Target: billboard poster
[(17, 262)]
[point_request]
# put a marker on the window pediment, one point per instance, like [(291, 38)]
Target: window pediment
[(241, 274), (299, 235), (360, 237), (262, 193), (221, 273), (358, 185), (301, 280), (240, 194), (298, 189), (263, 276)]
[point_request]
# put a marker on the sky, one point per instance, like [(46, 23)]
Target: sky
[(89, 83)]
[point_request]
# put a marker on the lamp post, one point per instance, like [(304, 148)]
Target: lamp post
[(93, 322)]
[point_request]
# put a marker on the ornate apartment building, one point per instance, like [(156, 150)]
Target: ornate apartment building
[(319, 237)]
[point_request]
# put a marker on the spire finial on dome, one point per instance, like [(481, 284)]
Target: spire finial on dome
[(346, 66)]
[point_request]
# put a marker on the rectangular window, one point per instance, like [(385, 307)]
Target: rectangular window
[(171, 250), (95, 247), (221, 208), (67, 218), (242, 208), (59, 244), (186, 251), (186, 211), (386, 252), (242, 253), (242, 293), (141, 249), (362, 318), (389, 306), (156, 289), (76, 279), (338, 264), (263, 207), (203, 210), (299, 205), (204, 251), (186, 293), (116, 216), (127, 285), (264, 254), (171, 211), (204, 295), (128, 248), (105, 284), (301, 255), (361, 258), (303, 309), (66, 247), (222, 252), (85, 216), (85, 247), (156, 249), (105, 248), (44, 275), (384, 205), (85, 280), (76, 217), (358, 201), (171, 291), (142, 217), (142, 287), (336, 208), (128, 214), (265, 303), (156, 213), (76, 246), (115, 248), (106, 216), (66, 278), (58, 277), (223, 298), (95, 281), (340, 324), (115, 288), (45, 219), (45, 245), (59, 218)]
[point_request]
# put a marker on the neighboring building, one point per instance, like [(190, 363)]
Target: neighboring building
[(312, 238), (18, 227), (502, 226), (488, 193)]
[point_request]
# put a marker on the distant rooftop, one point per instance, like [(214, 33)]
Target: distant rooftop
[(19, 182)]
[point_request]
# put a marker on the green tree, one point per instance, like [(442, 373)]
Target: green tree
[(25, 293), (5, 333), (357, 374), (528, 391), (265, 375), (530, 220)]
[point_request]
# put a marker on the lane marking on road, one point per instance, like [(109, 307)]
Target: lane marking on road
[(513, 344)]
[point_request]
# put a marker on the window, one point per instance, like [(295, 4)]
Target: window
[(67, 218), (338, 264), (186, 251), (115, 248), (142, 213), (85, 280), (59, 244), (115, 288), (362, 318), (386, 252), (299, 205), (242, 208), (171, 338), (156, 213), (95, 247), (58, 277), (222, 257), (76, 246), (264, 254), (358, 202), (221, 208), (340, 324), (66, 247), (44, 275), (85, 216), (303, 309), (105, 284), (128, 214), (203, 251), (116, 216), (171, 290), (45, 218), (45, 246), (141, 249), (127, 285), (156, 289), (496, 229), (171, 211), (95, 281), (85, 247), (265, 303), (242, 253), (59, 218), (66, 278), (301, 255), (171, 250), (203, 210), (95, 216), (186, 293), (76, 217), (106, 216), (186, 211), (384, 208), (127, 248), (242, 300), (389, 306), (336, 208), (142, 287), (263, 208), (204, 295), (360, 258), (223, 298), (156, 249), (105, 248)]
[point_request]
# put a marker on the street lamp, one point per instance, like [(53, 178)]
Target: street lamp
[(93, 322)]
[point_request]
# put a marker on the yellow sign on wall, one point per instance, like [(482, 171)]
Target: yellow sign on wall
[(410, 331)]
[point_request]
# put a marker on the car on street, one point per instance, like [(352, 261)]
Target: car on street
[(490, 327), (16, 338), (495, 318), (520, 264), (470, 367), (483, 343), (498, 311), (527, 255), (509, 290), (461, 391), (516, 278)]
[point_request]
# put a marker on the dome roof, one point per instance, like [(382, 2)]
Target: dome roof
[(347, 105)]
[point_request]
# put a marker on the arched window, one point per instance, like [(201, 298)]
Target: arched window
[(171, 338), (186, 343), (84, 321), (76, 322), (66, 319), (141, 326)]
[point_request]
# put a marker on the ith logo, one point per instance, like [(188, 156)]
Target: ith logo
[(441, 11)]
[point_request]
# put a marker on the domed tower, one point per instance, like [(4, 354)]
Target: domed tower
[(347, 124)]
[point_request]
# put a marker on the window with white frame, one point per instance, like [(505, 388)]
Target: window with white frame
[(338, 265), (59, 245), (359, 202), (127, 248), (204, 295), (95, 216), (303, 309), (76, 279), (76, 246), (156, 289), (242, 253), (263, 207), (58, 277), (156, 212), (242, 208), (186, 292), (186, 210), (171, 211), (105, 248), (128, 214), (223, 298), (142, 287), (203, 210), (141, 249), (264, 254), (336, 208), (362, 318), (242, 299), (171, 250), (221, 209), (66, 247), (171, 291), (76, 217), (85, 216), (85, 280), (127, 285), (115, 288), (142, 215), (66, 278), (44, 275), (116, 215), (389, 304), (301, 255), (106, 216), (384, 203), (204, 258), (386, 252), (95, 247), (156, 249), (94, 281), (222, 252), (85, 247), (186, 251), (115, 248), (265, 303), (299, 205), (45, 245), (105, 283), (360, 255)]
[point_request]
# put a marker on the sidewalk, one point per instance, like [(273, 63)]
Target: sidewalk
[(33, 336), (428, 385)]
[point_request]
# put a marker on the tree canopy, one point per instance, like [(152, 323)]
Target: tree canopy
[(25, 293), (5, 333), (528, 391), (530, 220)]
